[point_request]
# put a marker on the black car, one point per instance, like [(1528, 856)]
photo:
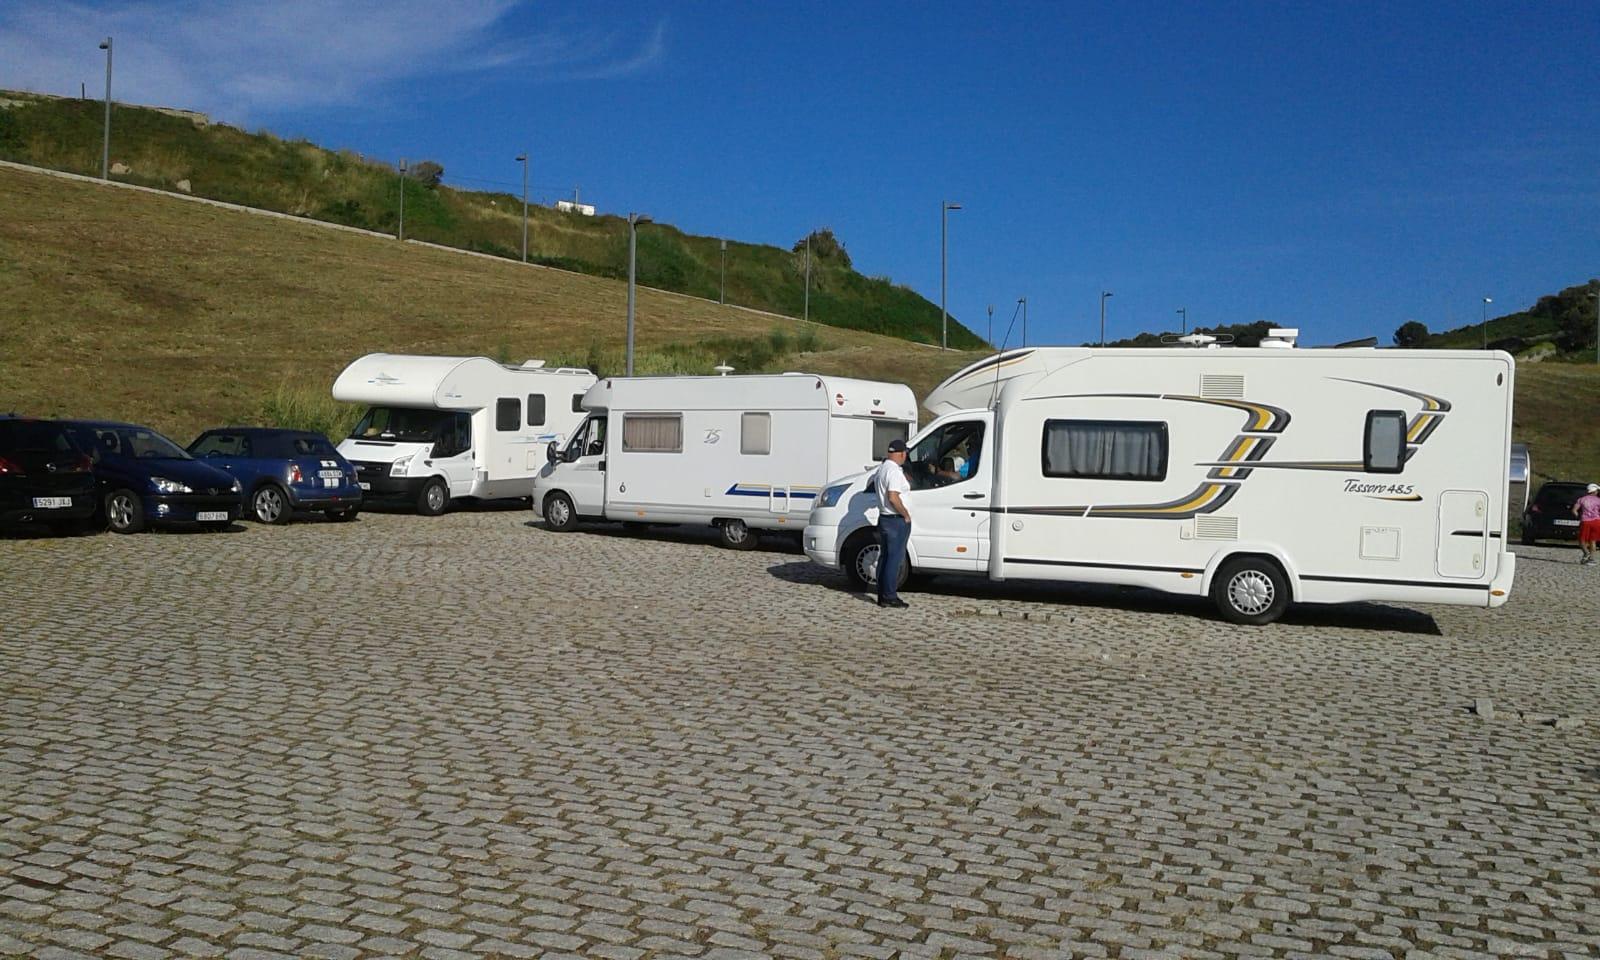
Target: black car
[(1549, 513), (44, 477)]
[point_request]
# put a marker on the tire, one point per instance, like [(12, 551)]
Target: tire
[(124, 512), (270, 505), (860, 562), (737, 535), (559, 513), (434, 498), (342, 515), (1527, 537), (1251, 591)]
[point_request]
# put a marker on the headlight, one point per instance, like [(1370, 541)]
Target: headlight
[(163, 485), (400, 466), (237, 488), (830, 496)]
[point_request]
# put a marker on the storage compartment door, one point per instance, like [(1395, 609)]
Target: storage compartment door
[(1463, 534), (779, 502)]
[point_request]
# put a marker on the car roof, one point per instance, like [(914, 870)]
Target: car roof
[(288, 431)]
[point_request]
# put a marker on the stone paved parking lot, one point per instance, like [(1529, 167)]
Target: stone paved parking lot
[(470, 737)]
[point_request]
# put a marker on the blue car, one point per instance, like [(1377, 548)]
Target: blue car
[(281, 471), (143, 479)]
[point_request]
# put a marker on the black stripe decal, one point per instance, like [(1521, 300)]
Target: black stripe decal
[(1101, 566), (1398, 583)]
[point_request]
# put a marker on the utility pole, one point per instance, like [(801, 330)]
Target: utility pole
[(990, 337), (1024, 302), (634, 219), (401, 233), (1103, 295), (1184, 313), (808, 276), (105, 146), (722, 287), (522, 158), (945, 206), (1596, 298)]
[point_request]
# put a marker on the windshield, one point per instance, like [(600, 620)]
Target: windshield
[(139, 443), (403, 424)]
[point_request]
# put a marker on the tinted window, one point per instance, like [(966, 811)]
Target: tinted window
[(755, 433), (508, 414), (1105, 449), (652, 433), (133, 442), (885, 430), (34, 436), (312, 446), (535, 409), (1384, 450), (222, 445)]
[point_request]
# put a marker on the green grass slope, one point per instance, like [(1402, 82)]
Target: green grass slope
[(132, 305), (301, 178)]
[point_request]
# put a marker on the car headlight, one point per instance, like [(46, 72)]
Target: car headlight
[(163, 485), (400, 467), (237, 488), (830, 497)]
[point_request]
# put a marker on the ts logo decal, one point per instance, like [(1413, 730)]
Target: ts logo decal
[(713, 435)]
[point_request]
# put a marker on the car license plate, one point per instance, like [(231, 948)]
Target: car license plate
[(209, 516), (366, 486), (330, 474), (1559, 523), (51, 503), (330, 481)]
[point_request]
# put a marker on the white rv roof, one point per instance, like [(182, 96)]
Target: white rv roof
[(841, 396), (445, 383)]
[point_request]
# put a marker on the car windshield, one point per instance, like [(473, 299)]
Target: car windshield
[(140, 443), (220, 444), (405, 424)]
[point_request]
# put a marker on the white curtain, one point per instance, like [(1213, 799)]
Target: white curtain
[(1091, 448)]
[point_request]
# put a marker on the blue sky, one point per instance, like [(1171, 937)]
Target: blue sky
[(1340, 167)]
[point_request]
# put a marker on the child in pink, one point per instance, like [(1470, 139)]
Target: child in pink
[(1587, 510)]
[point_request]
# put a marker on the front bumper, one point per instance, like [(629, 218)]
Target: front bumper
[(1505, 573), (378, 485), (187, 507), (821, 544)]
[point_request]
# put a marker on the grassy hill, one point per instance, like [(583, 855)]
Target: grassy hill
[(125, 304), (1561, 325), (161, 150)]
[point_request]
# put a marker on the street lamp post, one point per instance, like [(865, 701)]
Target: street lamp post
[(1184, 313), (105, 146), (522, 158), (807, 313), (944, 235), (990, 337), (634, 219), (400, 234), (1023, 303), (1104, 294), (1596, 298), (722, 286), (1484, 325)]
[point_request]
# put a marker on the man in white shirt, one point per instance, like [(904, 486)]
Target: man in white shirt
[(894, 523)]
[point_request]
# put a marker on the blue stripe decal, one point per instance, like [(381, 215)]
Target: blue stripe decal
[(737, 491)]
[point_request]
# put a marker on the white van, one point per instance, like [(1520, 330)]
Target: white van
[(742, 453), (1254, 476), (442, 428)]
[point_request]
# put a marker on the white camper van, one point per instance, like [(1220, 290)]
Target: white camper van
[(742, 453), (1254, 476), (442, 428)]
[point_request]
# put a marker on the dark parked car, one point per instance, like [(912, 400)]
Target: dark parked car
[(282, 471), (44, 477), (144, 479), (1549, 513)]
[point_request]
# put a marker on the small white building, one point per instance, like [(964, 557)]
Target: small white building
[(569, 206)]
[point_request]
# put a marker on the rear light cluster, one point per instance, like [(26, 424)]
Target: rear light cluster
[(294, 473), (76, 465), (9, 468)]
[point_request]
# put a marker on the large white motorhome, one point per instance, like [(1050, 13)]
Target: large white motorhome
[(743, 453), (443, 428), (1257, 477)]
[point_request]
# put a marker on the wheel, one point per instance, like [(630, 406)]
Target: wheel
[(1527, 537), (1250, 590), (559, 513), (737, 536), (124, 511), (860, 562), (434, 498), (343, 514), (270, 504)]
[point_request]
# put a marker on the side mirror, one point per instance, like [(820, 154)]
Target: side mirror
[(552, 453)]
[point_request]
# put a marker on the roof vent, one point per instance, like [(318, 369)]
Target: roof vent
[(1281, 338), (1224, 386), (532, 364)]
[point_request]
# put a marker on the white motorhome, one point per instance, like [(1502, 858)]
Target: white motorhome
[(443, 428), (743, 453), (1254, 476)]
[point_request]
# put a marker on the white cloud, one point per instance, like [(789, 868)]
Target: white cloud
[(241, 58)]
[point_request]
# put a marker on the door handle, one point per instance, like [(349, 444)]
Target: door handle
[(972, 496), (602, 467)]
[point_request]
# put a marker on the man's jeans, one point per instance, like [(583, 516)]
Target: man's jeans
[(893, 532)]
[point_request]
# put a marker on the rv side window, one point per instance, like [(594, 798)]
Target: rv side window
[(885, 430), (755, 433), (535, 409), (652, 433), (577, 403), (1385, 447), (1105, 449), (508, 414)]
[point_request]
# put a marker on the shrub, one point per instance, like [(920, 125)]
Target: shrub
[(304, 408)]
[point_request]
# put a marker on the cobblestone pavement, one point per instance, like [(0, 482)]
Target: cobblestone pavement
[(470, 737)]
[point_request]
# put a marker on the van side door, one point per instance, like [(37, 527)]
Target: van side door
[(582, 474)]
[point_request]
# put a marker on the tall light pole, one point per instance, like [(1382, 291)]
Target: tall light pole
[(1484, 325), (105, 146), (522, 158), (990, 337), (722, 286), (1596, 298), (1104, 295), (634, 219), (945, 207), (808, 276), (400, 234), (1184, 313), (1023, 303)]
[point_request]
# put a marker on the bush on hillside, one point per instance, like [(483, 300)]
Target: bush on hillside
[(427, 172), (1412, 333), (825, 247)]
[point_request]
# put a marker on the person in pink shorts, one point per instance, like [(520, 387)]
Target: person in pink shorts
[(1587, 510)]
